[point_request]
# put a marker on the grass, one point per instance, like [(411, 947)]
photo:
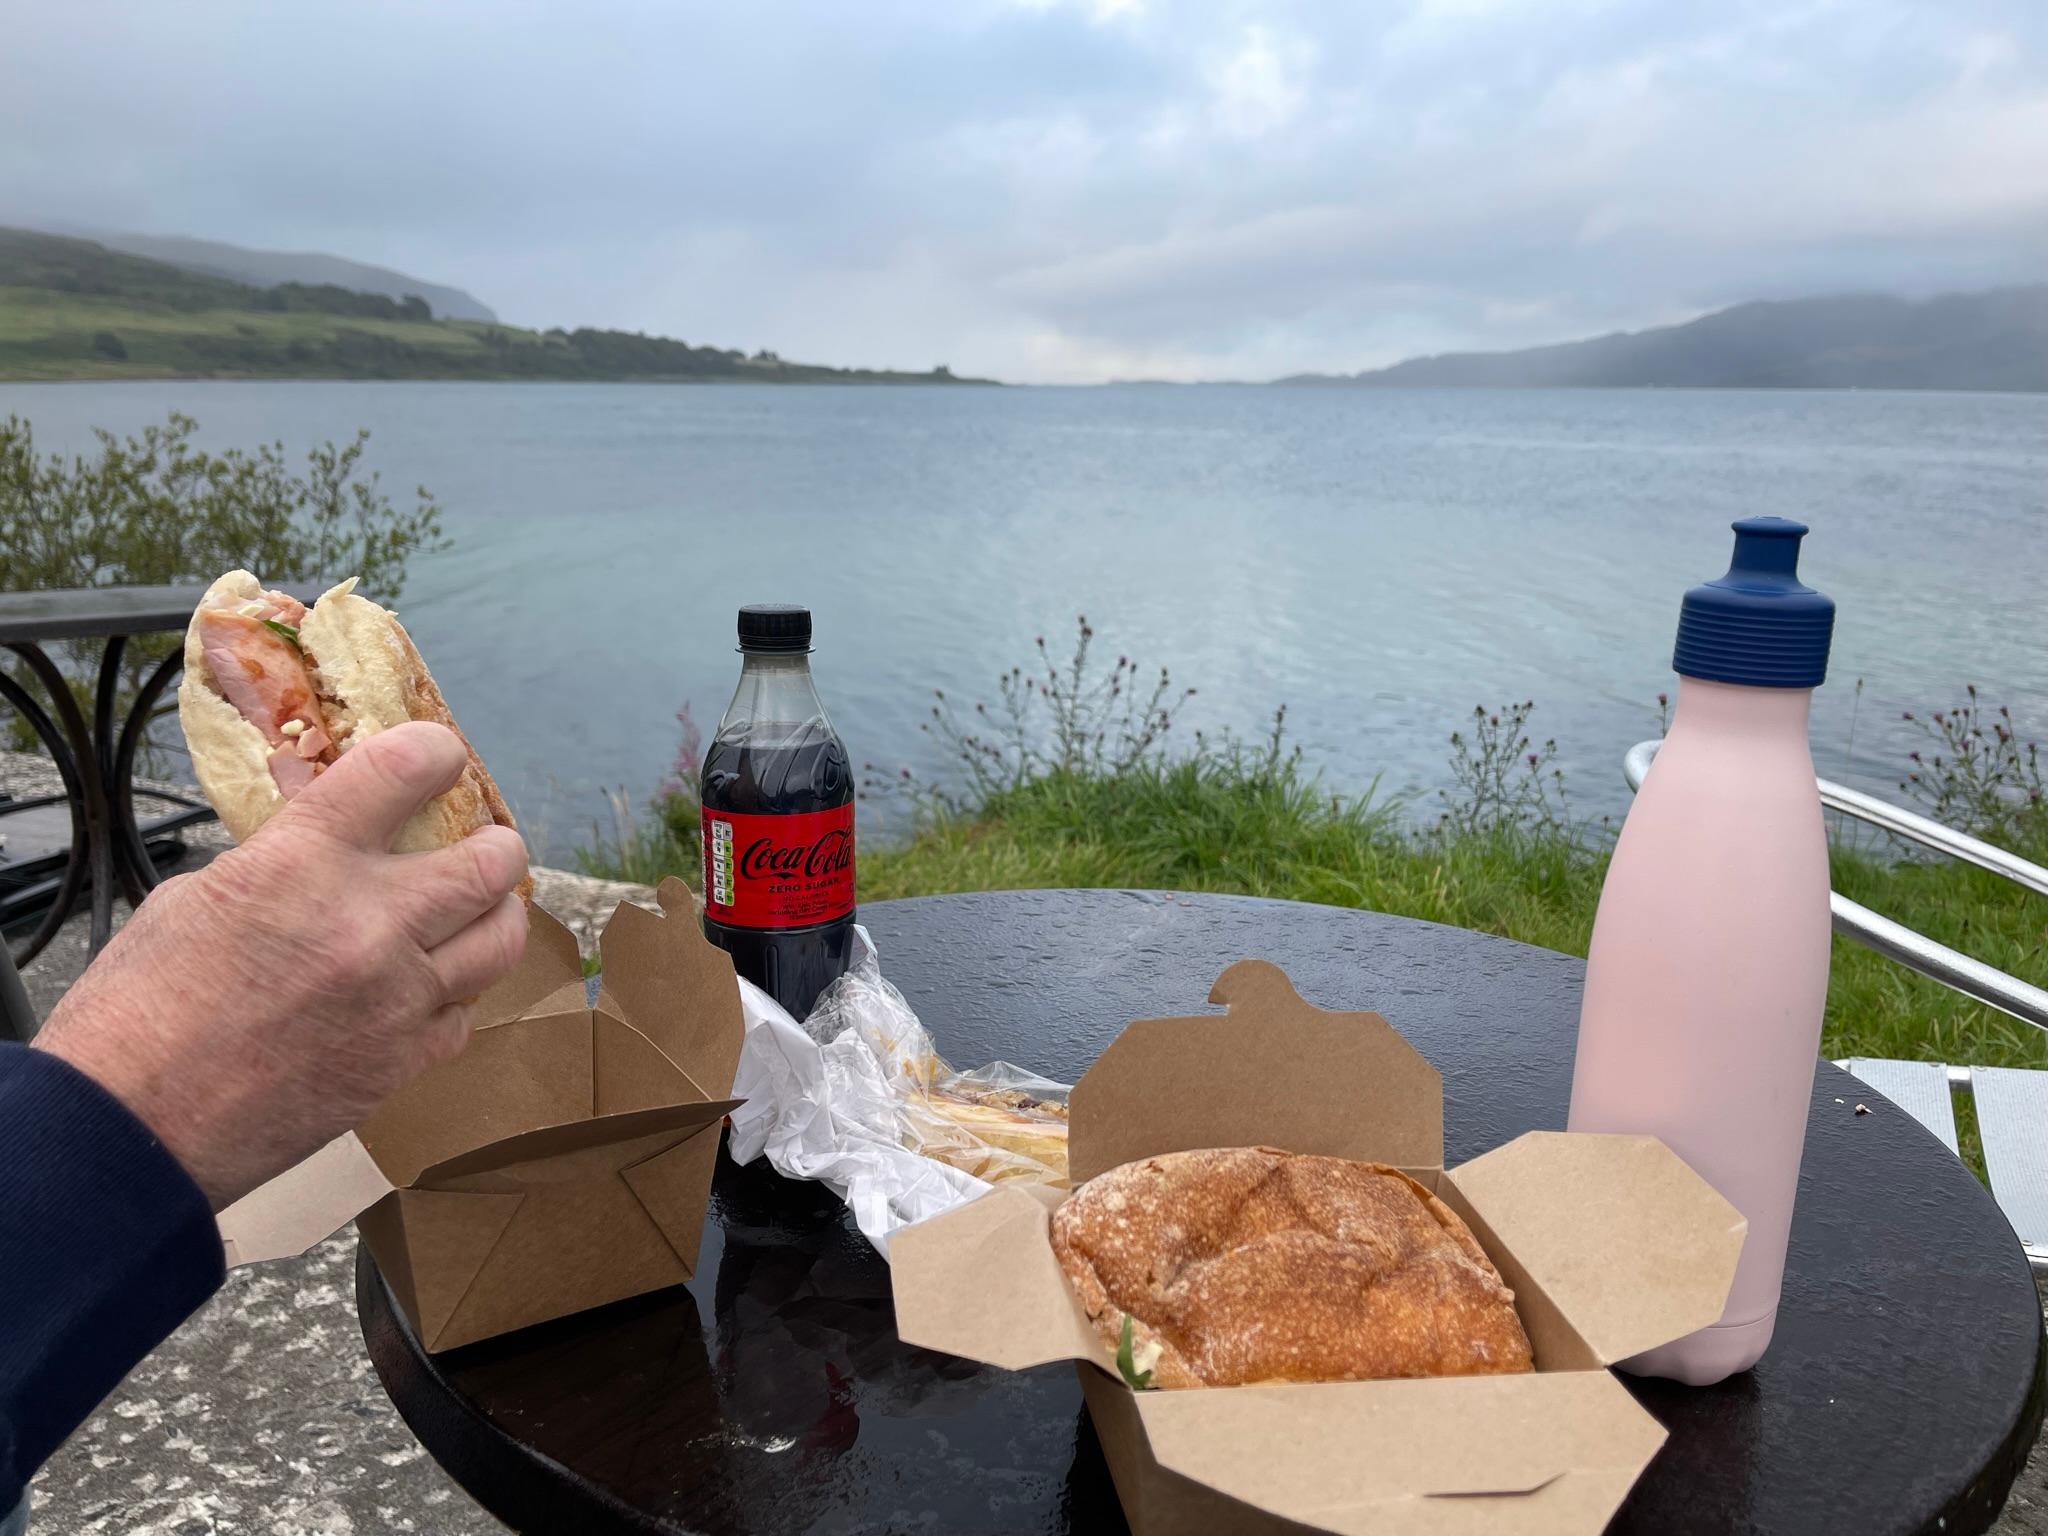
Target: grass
[(1218, 827), (1215, 825), (1068, 781), (27, 314), (50, 336)]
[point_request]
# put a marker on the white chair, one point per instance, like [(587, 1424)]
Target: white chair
[(2011, 1103), (2012, 1122)]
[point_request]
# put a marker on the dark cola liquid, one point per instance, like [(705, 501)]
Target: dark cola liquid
[(781, 770)]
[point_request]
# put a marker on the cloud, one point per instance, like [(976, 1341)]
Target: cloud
[(1101, 12), (1259, 86), (1065, 189)]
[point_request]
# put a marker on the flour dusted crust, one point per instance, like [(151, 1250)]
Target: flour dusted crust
[(370, 677), (1249, 1264)]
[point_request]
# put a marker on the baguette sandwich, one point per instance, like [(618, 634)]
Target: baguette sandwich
[(997, 1134), (274, 692)]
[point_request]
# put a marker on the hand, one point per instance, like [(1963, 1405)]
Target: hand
[(254, 1010)]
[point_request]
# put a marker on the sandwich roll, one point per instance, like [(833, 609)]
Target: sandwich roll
[(274, 692), (1223, 1267)]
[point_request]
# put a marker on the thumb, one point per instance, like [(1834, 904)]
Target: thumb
[(377, 784)]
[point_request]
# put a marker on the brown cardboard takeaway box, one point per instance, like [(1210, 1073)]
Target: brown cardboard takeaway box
[(1611, 1243), (562, 1161)]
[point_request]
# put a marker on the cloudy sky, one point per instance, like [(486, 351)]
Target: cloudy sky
[(1063, 190)]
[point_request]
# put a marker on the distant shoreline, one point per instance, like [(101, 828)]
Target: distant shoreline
[(1994, 341), (919, 381), (909, 381), (74, 311)]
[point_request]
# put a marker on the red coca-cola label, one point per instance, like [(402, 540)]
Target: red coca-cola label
[(789, 871)]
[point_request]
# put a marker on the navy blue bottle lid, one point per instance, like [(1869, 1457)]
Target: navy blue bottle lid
[(1757, 625)]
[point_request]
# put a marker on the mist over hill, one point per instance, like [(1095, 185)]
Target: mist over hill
[(1996, 340), (267, 269)]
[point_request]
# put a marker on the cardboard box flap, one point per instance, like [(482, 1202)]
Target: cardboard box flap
[(507, 1081), (528, 1064), (1548, 1454), (446, 1253), (555, 1140), (670, 1187), (1633, 1246), (523, 1091), (660, 974), (304, 1205), (1273, 1071), (981, 1282), (550, 962), (567, 998), (629, 1072)]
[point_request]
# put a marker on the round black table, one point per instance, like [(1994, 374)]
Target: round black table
[(1902, 1393)]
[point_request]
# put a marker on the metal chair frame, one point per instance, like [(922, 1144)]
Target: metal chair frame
[(1952, 968)]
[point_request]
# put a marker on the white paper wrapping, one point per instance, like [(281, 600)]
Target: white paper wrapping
[(826, 1100)]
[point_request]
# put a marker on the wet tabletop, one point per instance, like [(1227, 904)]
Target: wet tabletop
[(1901, 1394)]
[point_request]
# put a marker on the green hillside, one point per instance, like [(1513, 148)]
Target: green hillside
[(72, 309)]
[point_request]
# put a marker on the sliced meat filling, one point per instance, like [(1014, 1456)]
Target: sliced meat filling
[(253, 650)]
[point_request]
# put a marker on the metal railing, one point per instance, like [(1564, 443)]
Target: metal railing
[(1914, 950)]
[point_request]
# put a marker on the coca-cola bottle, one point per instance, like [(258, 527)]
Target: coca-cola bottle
[(777, 793)]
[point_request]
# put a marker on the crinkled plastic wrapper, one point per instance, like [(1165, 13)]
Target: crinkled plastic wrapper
[(857, 1098)]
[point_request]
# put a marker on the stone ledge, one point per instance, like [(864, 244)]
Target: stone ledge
[(584, 903)]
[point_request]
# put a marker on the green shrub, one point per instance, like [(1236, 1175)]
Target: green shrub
[(156, 510)]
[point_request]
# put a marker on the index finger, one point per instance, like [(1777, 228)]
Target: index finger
[(378, 784)]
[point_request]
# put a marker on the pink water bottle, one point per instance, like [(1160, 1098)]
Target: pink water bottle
[(1709, 965)]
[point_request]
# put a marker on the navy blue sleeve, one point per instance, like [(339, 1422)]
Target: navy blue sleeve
[(106, 1245)]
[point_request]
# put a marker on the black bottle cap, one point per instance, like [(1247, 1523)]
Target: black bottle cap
[(784, 627)]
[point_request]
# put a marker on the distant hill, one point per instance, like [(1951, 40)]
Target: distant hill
[(73, 309), (1994, 341), (266, 269)]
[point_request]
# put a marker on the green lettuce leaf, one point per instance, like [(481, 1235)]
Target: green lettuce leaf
[(1139, 1381)]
